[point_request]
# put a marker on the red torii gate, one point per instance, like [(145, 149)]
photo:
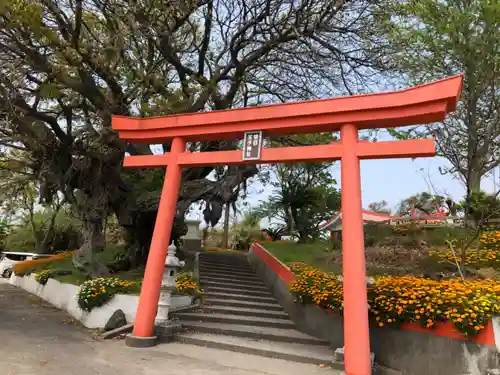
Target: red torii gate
[(418, 105)]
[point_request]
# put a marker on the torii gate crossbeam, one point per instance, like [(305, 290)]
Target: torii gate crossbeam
[(417, 105)]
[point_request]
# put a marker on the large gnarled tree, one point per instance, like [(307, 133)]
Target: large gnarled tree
[(68, 65)]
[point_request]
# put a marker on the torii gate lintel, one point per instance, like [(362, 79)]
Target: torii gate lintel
[(364, 150), (418, 105)]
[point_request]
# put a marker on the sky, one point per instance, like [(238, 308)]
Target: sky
[(392, 180), (396, 179)]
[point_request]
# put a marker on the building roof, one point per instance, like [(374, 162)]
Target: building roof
[(367, 216)]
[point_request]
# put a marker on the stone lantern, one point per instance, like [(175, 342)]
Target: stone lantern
[(164, 327)]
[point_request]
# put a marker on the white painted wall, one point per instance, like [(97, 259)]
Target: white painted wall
[(63, 296)]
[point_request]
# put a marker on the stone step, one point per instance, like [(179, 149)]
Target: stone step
[(226, 261), (224, 254), (245, 311), (210, 301), (225, 264), (227, 258), (231, 285), (236, 319), (230, 290), (301, 353), (226, 270), (219, 274), (262, 333), (239, 297), (223, 268), (233, 281)]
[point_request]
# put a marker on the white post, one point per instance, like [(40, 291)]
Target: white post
[(168, 284), (163, 306)]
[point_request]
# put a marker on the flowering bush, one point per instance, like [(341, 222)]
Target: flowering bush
[(297, 267), (490, 240), (402, 229), (317, 287), (43, 277), (28, 266), (97, 292), (186, 285), (468, 305), (473, 257)]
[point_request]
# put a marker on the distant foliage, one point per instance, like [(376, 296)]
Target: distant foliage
[(64, 235), (433, 39), (303, 197), (482, 206), (421, 204), (4, 231), (381, 207)]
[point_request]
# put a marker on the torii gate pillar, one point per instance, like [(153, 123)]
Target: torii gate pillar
[(353, 259)]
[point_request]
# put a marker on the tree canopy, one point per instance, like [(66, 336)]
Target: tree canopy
[(421, 204), (433, 39), (68, 65), (380, 207), (303, 197)]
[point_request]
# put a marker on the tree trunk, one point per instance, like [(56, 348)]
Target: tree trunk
[(93, 241), (92, 210), (474, 180), (137, 216), (225, 240), (43, 245), (291, 224)]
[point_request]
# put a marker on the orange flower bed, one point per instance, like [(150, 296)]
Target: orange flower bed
[(396, 300), (28, 266)]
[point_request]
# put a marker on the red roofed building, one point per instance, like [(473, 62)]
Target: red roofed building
[(334, 225)]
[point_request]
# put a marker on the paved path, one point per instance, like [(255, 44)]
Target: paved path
[(36, 338)]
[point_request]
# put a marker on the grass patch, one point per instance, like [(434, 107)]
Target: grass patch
[(107, 257), (380, 260), (316, 254), (76, 276)]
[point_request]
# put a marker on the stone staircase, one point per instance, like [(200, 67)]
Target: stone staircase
[(241, 315)]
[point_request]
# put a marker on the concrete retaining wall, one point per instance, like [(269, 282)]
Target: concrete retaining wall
[(412, 351), (63, 296)]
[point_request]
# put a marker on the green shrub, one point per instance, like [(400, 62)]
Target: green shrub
[(65, 233), (20, 239), (43, 277), (241, 236), (97, 292)]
